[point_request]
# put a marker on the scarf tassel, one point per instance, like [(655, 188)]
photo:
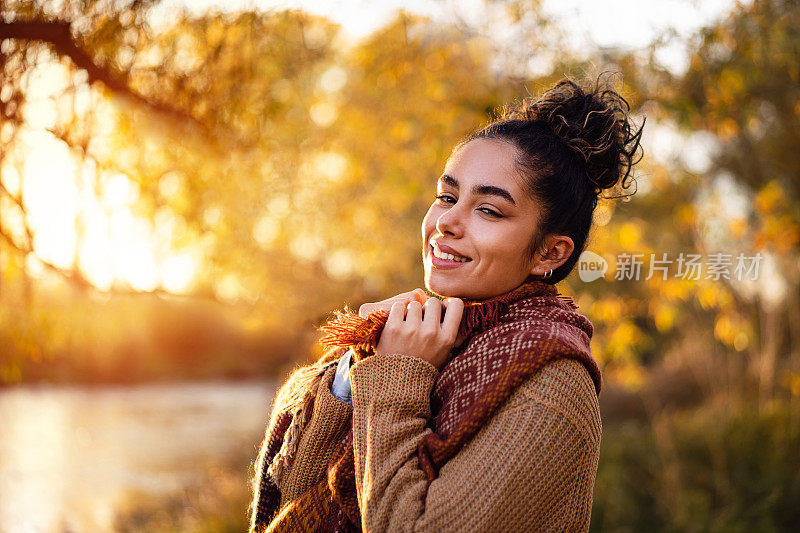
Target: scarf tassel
[(478, 317), (348, 329)]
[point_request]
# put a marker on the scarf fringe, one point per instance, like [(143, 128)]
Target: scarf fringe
[(480, 316), (285, 456), (348, 329)]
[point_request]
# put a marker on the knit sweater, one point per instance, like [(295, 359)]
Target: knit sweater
[(532, 467)]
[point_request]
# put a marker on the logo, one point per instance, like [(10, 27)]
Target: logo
[(591, 266)]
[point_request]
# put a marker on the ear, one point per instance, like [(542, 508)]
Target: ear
[(554, 251)]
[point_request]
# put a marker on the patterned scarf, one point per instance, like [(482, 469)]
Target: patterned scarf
[(508, 338)]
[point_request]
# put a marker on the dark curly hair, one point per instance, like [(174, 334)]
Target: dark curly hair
[(573, 143)]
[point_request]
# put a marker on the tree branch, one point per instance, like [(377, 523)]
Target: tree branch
[(59, 36), (14, 198)]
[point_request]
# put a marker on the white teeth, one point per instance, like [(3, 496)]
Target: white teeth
[(448, 257)]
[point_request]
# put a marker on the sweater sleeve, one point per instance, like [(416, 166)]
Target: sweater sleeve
[(329, 423), (532, 467)]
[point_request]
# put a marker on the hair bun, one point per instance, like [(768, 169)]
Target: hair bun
[(595, 124)]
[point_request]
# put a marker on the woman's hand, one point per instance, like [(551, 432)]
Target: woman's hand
[(406, 297), (419, 330)]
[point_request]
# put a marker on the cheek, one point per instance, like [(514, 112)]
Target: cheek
[(429, 221), (506, 246)]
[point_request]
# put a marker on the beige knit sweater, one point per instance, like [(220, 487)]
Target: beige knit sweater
[(532, 468)]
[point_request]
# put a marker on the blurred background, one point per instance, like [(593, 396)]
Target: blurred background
[(189, 189)]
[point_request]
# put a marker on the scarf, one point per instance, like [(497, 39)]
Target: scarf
[(508, 338)]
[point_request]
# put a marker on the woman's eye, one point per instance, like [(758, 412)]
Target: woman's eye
[(446, 198)]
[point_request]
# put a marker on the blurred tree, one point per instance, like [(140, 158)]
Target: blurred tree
[(743, 87), (208, 120), (81, 34)]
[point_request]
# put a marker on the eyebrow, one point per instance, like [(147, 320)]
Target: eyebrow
[(484, 190)]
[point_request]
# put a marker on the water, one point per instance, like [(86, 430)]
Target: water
[(69, 456)]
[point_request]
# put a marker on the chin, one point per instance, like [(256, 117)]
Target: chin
[(445, 288), (435, 286)]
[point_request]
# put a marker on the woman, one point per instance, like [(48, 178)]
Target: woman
[(478, 412)]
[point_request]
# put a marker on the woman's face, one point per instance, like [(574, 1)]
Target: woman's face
[(483, 215)]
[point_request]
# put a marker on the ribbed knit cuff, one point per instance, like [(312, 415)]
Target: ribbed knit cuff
[(401, 381)]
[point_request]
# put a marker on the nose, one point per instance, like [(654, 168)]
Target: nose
[(450, 222)]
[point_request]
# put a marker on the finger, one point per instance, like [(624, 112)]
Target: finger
[(420, 296), (396, 314), (454, 309), (414, 313), (405, 298), (432, 311), (386, 305), (404, 295), (365, 310)]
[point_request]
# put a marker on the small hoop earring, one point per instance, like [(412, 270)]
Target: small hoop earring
[(547, 274)]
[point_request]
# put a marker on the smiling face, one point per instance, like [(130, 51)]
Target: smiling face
[(483, 215)]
